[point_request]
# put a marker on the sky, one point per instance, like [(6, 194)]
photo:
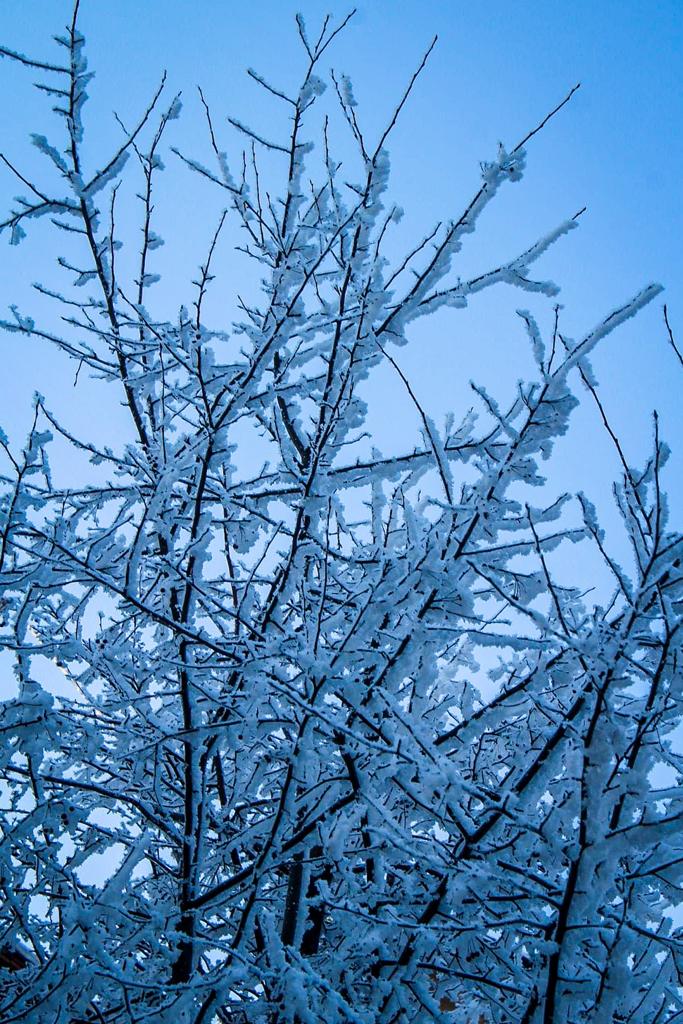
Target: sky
[(497, 69)]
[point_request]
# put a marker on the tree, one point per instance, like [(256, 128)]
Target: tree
[(345, 745)]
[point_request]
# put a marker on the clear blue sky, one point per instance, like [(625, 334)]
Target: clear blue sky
[(498, 68)]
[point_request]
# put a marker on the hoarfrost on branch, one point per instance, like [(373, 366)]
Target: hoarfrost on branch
[(345, 748)]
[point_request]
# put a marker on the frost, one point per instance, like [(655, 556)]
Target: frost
[(303, 730), (347, 91)]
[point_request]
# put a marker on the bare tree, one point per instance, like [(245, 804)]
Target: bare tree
[(347, 747)]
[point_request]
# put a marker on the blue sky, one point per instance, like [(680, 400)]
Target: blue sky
[(497, 69)]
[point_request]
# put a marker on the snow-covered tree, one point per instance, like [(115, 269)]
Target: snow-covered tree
[(344, 746)]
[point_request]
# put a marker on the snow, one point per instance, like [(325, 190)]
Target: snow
[(300, 731)]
